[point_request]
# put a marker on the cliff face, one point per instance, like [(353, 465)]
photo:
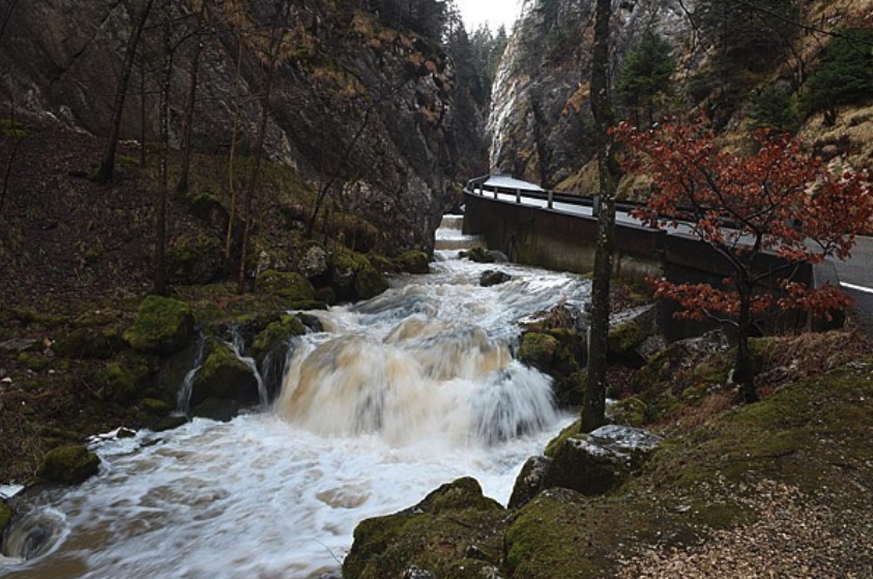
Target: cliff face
[(540, 120), (540, 123), (360, 109)]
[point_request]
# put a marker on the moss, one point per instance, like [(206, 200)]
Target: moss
[(155, 406), (291, 287), (162, 325), (224, 376), (624, 338), (5, 516), (413, 262), (276, 333), (195, 258), (89, 343), (568, 432), (34, 361), (92, 255), (325, 295), (448, 532), (478, 254), (124, 380), (631, 411), (538, 350), (69, 464), (369, 283)]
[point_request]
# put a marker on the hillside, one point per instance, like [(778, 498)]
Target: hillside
[(742, 67)]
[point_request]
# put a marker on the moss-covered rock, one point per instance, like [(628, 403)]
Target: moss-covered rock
[(89, 343), (557, 354), (194, 257), (538, 350), (450, 532), (478, 254), (276, 334), (313, 260), (292, 288), (624, 338), (162, 325), (369, 283), (493, 277), (529, 481), (124, 380), (69, 464), (631, 411), (224, 376), (413, 262)]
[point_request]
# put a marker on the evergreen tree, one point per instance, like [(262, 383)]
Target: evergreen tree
[(644, 76), (845, 75), (774, 108)]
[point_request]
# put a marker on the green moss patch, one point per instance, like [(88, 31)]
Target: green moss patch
[(162, 325), (69, 464)]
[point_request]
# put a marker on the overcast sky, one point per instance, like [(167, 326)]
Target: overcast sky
[(495, 12)]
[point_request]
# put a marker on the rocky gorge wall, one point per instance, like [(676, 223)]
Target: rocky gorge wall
[(357, 107)]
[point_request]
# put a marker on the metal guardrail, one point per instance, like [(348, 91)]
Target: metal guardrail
[(476, 186)]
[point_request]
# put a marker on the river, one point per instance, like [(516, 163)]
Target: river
[(397, 396)]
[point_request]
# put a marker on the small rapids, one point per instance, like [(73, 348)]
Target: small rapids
[(395, 397)]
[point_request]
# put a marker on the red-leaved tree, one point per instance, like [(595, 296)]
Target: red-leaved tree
[(779, 200)]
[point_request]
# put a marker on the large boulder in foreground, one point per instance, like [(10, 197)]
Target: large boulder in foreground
[(450, 534), (591, 464), (162, 325)]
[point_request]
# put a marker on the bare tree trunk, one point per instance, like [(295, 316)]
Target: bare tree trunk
[(275, 46), (161, 212), (190, 101), (107, 165), (594, 399), (230, 182), (142, 114)]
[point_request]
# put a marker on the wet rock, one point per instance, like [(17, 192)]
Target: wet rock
[(435, 536), (413, 262), (596, 463), (162, 325), (557, 353), (293, 288), (5, 516), (276, 334), (224, 376), (529, 481), (369, 283), (493, 277), (478, 254), (69, 464)]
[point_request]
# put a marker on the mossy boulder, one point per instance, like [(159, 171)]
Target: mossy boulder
[(69, 464), (225, 376), (413, 262), (557, 354), (529, 481), (599, 462), (313, 260), (450, 533), (162, 325), (369, 283), (89, 343), (478, 254), (124, 380), (493, 277), (276, 334), (292, 288), (195, 258)]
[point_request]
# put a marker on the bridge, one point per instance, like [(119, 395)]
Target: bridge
[(558, 231)]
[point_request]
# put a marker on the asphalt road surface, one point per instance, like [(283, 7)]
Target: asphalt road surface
[(856, 279)]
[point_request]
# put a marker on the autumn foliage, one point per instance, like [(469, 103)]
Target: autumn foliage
[(779, 200)]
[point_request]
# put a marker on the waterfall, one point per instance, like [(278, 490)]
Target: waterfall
[(237, 344), (395, 397), (183, 398)]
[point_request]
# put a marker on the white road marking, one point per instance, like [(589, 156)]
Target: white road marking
[(859, 288)]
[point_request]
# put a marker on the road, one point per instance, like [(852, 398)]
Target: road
[(856, 274)]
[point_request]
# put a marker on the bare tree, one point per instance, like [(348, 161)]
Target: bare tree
[(107, 165)]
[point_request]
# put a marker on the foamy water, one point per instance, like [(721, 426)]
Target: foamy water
[(400, 395)]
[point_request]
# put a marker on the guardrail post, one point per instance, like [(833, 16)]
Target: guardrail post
[(550, 198), (518, 195)]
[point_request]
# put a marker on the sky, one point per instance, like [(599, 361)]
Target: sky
[(495, 12)]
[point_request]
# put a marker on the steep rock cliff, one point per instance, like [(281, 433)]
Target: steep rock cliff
[(540, 123), (361, 110)]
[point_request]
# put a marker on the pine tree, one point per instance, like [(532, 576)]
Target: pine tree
[(845, 75), (645, 76)]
